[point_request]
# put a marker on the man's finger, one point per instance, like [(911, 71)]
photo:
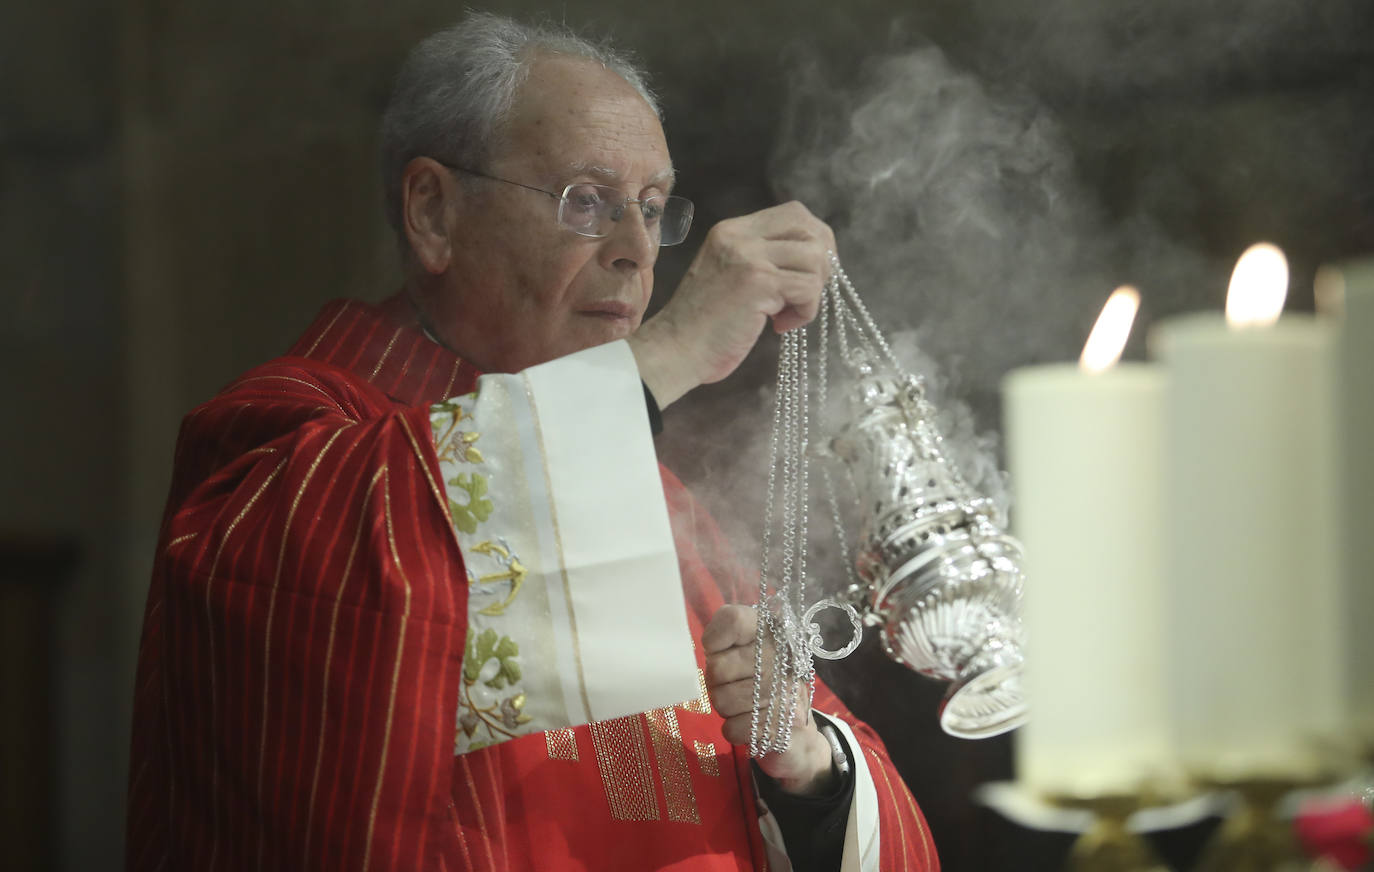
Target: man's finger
[(729, 665), (803, 302), (735, 698), (736, 730), (791, 220), (730, 626), (793, 256)]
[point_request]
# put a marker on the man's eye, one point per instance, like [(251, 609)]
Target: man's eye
[(653, 210), (584, 199)]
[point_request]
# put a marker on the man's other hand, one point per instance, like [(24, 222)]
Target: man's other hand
[(770, 264), (807, 766)]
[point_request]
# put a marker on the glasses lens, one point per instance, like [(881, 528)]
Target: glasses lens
[(583, 207), (675, 220), (590, 210)]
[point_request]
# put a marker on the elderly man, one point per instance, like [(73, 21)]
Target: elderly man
[(423, 598)]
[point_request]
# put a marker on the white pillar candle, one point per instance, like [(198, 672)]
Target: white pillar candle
[(1355, 399), (1252, 531), (1085, 456)]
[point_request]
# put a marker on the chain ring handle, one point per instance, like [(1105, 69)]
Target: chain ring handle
[(814, 640)]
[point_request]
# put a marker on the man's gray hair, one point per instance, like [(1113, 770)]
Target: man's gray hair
[(456, 88)]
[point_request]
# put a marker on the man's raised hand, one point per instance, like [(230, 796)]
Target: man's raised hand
[(769, 264)]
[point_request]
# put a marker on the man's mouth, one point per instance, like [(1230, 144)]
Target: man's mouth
[(611, 310)]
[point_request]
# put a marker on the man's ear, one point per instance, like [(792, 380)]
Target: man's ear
[(427, 192)]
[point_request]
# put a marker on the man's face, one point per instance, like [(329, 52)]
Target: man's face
[(521, 288)]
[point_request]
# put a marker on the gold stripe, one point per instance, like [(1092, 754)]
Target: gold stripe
[(702, 704), (500, 811), (210, 638), (672, 766), (385, 354), (706, 758), (562, 744), (267, 637), (926, 842), (477, 806), (429, 479), (178, 540), (453, 377), (458, 831), (314, 387), (329, 657), (897, 813), (622, 758), (558, 543), (405, 367), (325, 332), (395, 678)]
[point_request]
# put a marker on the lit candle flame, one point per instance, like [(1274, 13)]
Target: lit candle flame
[(1258, 287), (1111, 331)]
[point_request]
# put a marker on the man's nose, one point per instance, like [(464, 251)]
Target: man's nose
[(632, 244)]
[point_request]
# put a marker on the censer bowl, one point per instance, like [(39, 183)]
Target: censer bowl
[(936, 571), (958, 621)]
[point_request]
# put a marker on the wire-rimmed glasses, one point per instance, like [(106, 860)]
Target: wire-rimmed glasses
[(593, 210)]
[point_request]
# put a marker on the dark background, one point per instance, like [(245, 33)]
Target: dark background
[(183, 184)]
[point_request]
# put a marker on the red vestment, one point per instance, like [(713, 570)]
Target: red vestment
[(303, 641)]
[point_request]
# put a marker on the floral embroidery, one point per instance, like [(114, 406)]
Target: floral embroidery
[(457, 445), (490, 666), (478, 508), (452, 443), (491, 702), (514, 572)]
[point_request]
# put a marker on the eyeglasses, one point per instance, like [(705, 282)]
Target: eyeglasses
[(592, 210)]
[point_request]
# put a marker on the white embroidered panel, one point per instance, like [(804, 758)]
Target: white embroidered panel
[(575, 602)]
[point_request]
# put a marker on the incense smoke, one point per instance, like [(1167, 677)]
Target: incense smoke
[(966, 231), (986, 218)]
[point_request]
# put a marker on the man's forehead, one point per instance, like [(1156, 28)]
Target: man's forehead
[(663, 178), (573, 117)]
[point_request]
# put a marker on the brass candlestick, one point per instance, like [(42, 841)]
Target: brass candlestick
[(1108, 846), (1253, 837)]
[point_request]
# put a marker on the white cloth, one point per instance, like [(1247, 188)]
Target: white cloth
[(575, 610)]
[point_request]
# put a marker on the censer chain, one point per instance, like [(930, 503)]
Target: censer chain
[(785, 624)]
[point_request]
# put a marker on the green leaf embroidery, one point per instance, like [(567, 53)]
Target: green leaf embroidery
[(462, 518), (478, 508), (486, 645), (478, 651), (472, 667)]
